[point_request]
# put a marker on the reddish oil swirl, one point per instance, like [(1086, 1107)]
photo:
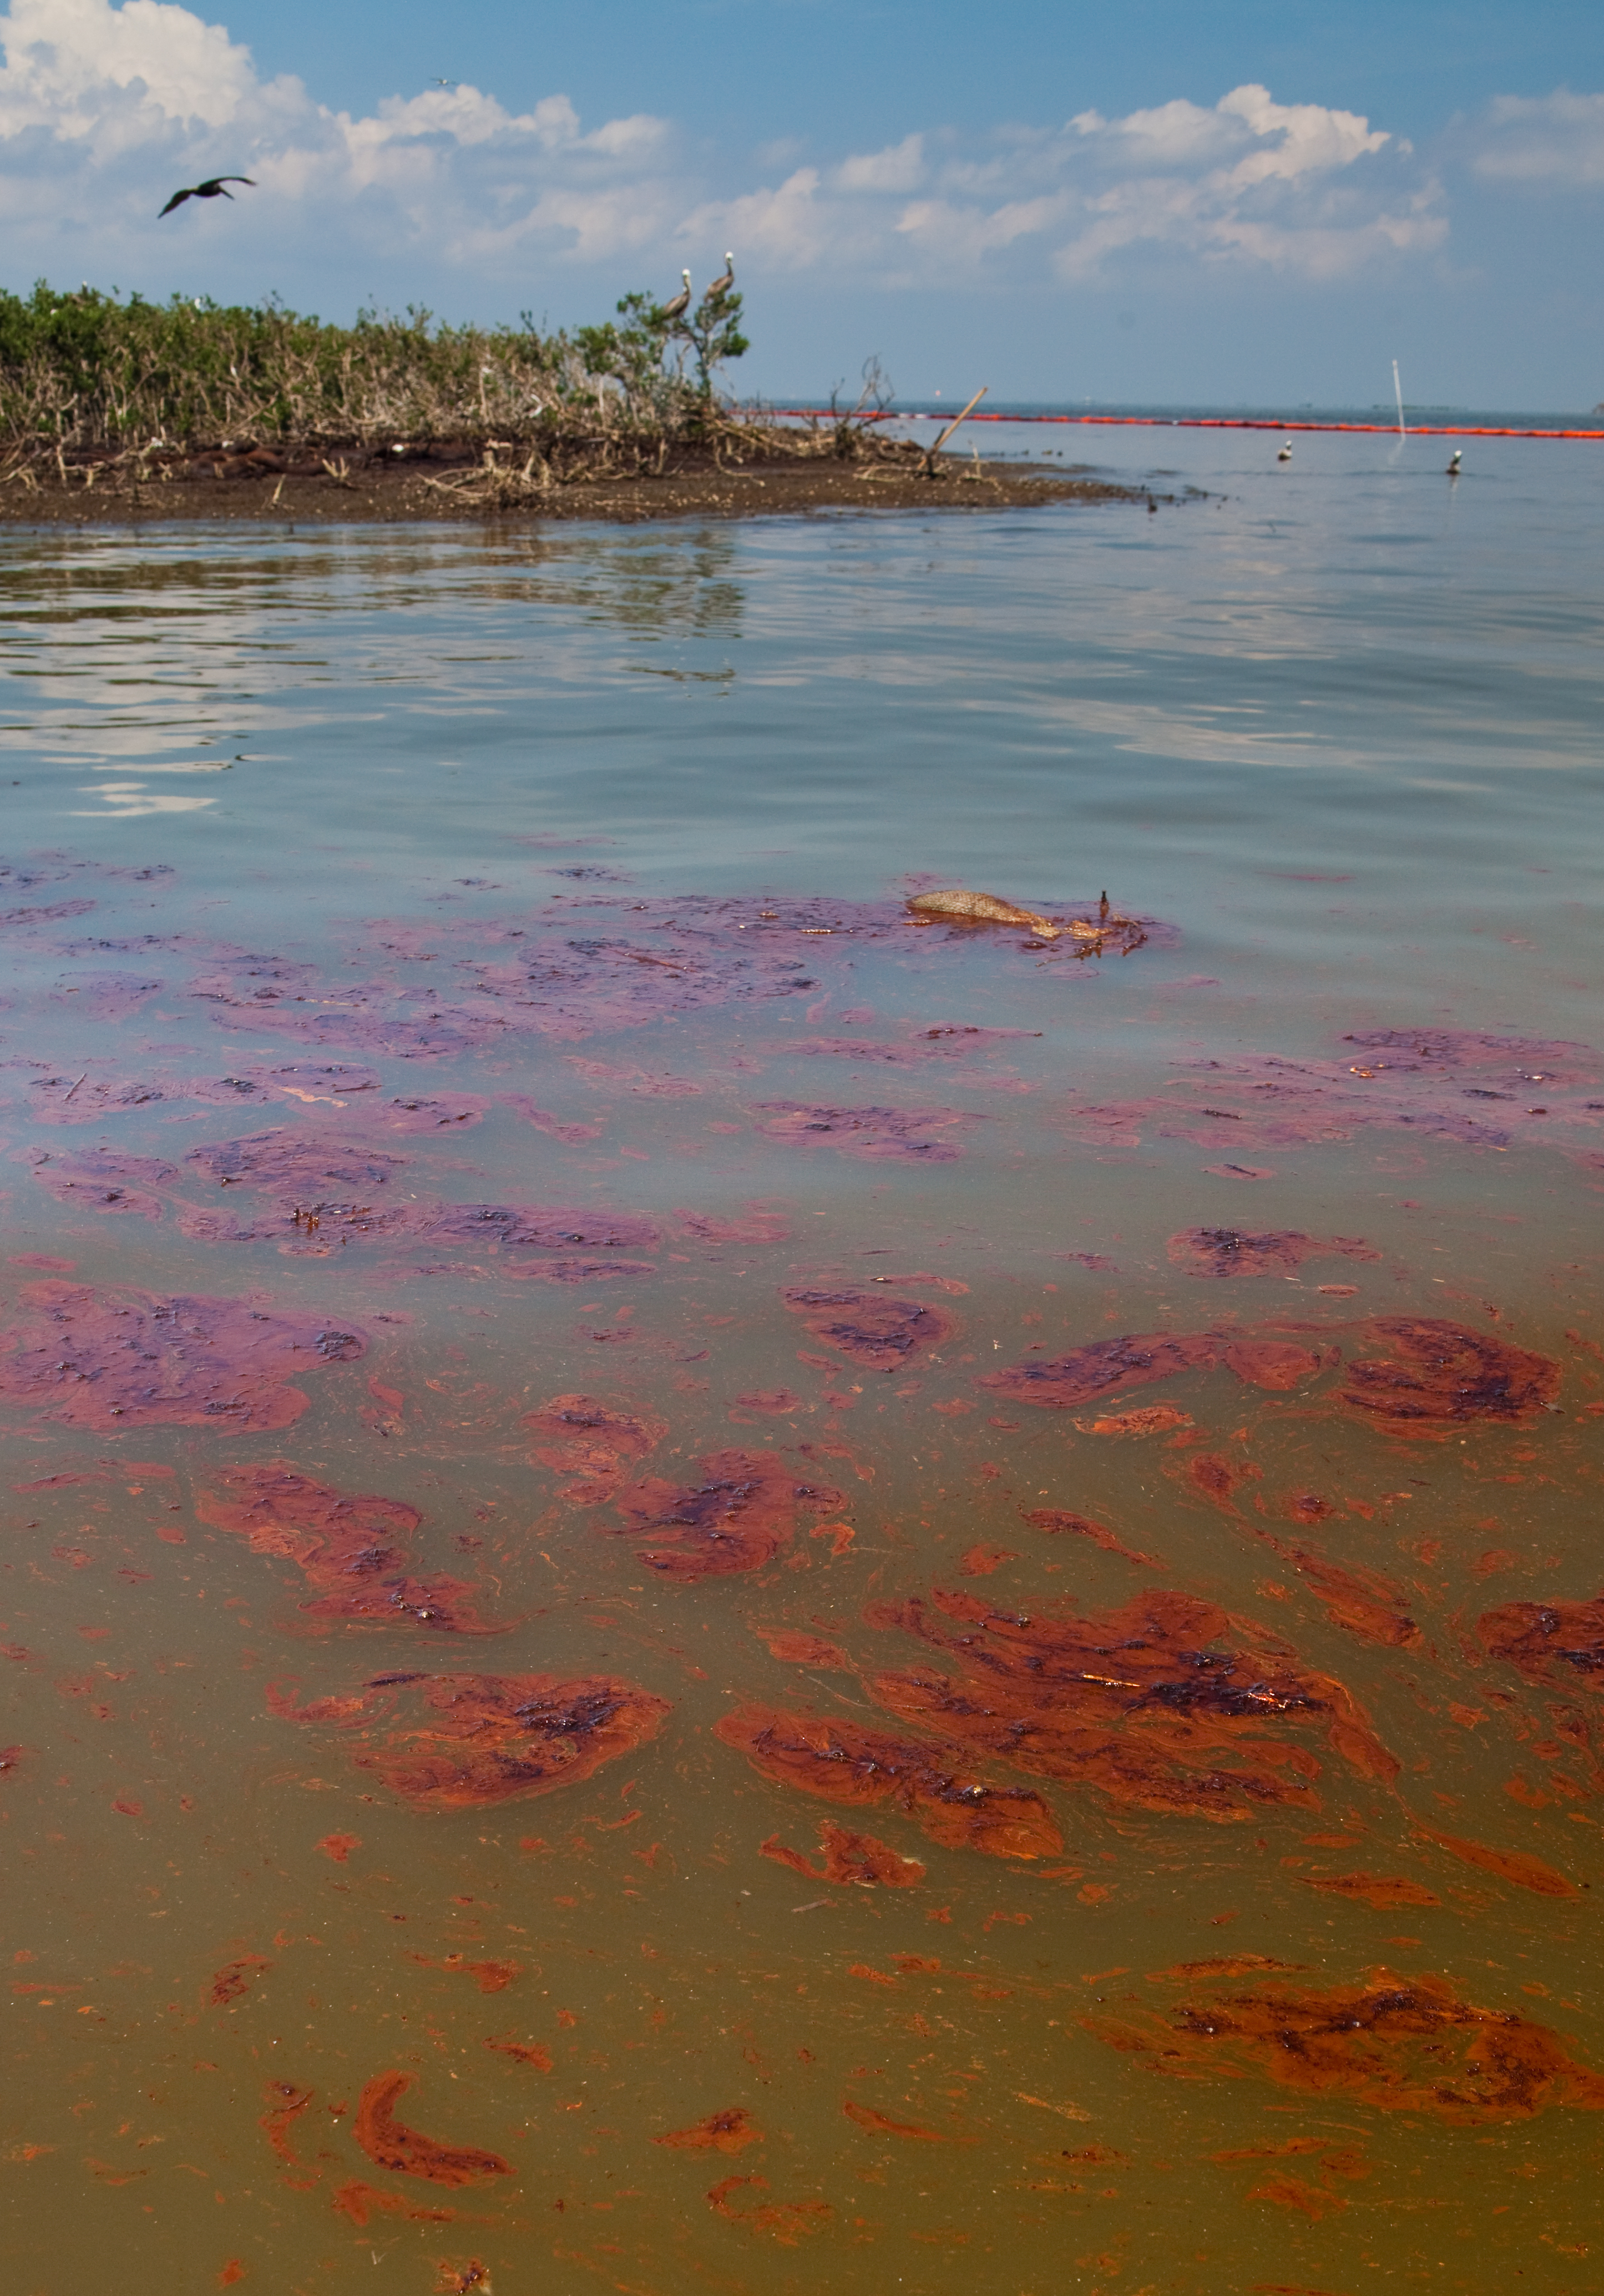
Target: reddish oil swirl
[(729, 2131), (744, 1510), (1060, 1521), (874, 1328), (1149, 1419), (359, 2201), (1133, 1360), (389, 2145), (534, 2054), (233, 1981), (980, 1562), (881, 2124), (576, 1435), (336, 1082), (1516, 1865), (857, 1860), (1422, 1085), (1363, 1602), (83, 1099), (349, 1547), (1557, 1643), (875, 1135), (490, 1738), (785, 2221), (1400, 2044), (1227, 1251), (842, 1762), (1439, 1373), (1386, 1892), (1158, 1704), (106, 996), (322, 1193), (286, 2103), (446, 1111), (113, 1360), (545, 1119), (294, 1163), (1216, 1478), (489, 1976), (540, 1228), (104, 1180), (796, 1647), (765, 1402), (1436, 1372), (755, 1226), (635, 963), (955, 1042), (1276, 1366)]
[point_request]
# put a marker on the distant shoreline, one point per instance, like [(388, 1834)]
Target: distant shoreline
[(388, 495)]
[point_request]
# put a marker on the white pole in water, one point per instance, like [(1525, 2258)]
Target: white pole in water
[(1398, 395)]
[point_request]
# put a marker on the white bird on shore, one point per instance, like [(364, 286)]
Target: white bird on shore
[(1285, 456), (682, 301), (722, 286), (1454, 461)]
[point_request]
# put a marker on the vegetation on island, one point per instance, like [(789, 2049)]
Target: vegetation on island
[(100, 385)]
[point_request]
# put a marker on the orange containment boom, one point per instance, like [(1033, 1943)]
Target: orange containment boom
[(1218, 422)]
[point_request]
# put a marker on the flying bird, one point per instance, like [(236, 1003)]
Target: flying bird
[(722, 286), (682, 301), (211, 189)]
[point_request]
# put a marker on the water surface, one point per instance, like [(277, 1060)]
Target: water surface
[(618, 1256)]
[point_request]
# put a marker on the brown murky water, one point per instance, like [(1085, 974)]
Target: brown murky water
[(725, 1591)]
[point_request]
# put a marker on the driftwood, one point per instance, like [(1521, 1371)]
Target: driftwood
[(1093, 935), (930, 469)]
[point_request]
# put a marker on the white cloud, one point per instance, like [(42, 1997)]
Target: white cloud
[(781, 230), (1555, 139), (105, 108), (1263, 137), (1250, 180), (900, 168), (64, 60), (960, 237), (1298, 188)]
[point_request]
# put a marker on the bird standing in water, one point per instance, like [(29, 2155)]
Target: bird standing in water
[(1285, 456), (211, 189), (1454, 461), (682, 301)]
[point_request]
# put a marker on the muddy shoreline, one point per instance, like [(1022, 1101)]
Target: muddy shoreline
[(381, 494)]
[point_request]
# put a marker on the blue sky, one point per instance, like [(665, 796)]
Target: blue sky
[(1155, 202)]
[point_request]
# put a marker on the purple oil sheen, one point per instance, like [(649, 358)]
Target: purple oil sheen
[(891, 1136)]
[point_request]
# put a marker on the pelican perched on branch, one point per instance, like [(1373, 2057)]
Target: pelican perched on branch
[(682, 301), (723, 285)]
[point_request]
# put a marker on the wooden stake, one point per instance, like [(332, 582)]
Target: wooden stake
[(952, 426)]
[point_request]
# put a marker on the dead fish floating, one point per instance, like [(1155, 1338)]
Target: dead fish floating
[(965, 907)]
